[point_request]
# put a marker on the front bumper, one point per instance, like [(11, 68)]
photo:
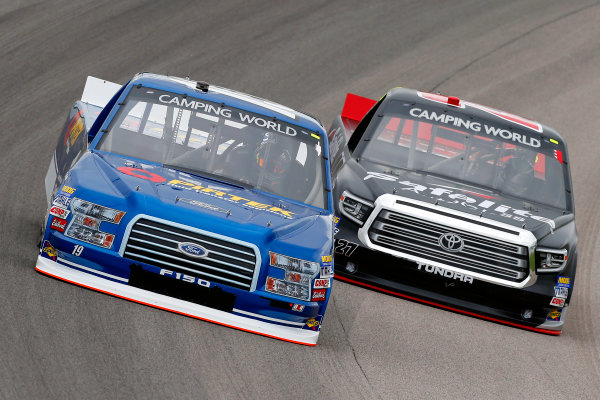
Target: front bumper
[(526, 308), (117, 286)]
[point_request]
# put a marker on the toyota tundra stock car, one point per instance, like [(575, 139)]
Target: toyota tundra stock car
[(195, 199), (456, 205)]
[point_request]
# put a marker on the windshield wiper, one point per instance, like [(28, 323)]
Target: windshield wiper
[(210, 176)]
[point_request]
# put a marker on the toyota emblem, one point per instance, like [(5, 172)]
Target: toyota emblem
[(451, 242)]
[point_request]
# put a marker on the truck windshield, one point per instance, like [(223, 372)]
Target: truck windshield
[(206, 138), (476, 152)]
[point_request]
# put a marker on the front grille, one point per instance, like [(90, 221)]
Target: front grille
[(156, 243), (419, 238)]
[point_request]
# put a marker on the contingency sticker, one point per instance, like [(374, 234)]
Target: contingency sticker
[(326, 267), (561, 292), (68, 190), (62, 201), (563, 281), (313, 324), (336, 221), (554, 315), (319, 294), (322, 283), (59, 212), (58, 224), (557, 302), (49, 250)]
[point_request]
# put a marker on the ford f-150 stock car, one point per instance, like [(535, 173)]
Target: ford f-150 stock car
[(456, 205), (196, 199)]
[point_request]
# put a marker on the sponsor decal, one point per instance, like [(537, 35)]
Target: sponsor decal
[(184, 277), (49, 250), (192, 250), (326, 270), (237, 115), (62, 201), (319, 294), (448, 195), (203, 205), (445, 273), (59, 212), (231, 198), (297, 307), (336, 221), (474, 126), (451, 242), (314, 323), (557, 302), (58, 224), (563, 281), (68, 190), (142, 174), (322, 283), (326, 267), (561, 292), (74, 130), (554, 315)]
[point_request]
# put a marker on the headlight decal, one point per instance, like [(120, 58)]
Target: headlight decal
[(298, 276), (86, 220), (550, 260), (355, 208)]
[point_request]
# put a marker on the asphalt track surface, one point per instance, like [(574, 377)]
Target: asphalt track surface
[(539, 59)]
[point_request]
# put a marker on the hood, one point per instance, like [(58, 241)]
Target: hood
[(144, 188), (539, 219)]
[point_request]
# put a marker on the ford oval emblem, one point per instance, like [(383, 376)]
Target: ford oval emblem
[(192, 249), (451, 242)]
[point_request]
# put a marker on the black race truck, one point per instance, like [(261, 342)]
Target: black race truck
[(455, 205)]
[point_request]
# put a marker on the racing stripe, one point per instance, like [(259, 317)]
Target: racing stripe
[(93, 271)]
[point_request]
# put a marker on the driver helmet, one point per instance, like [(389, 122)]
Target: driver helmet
[(274, 160), (518, 171)]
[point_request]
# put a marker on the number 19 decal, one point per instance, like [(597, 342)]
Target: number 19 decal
[(345, 247), (77, 250)]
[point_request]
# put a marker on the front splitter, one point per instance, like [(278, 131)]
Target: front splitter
[(124, 291)]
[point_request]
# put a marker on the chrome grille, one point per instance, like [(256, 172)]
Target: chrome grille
[(413, 236), (156, 243)]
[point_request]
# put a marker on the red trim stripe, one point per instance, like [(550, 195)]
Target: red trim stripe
[(431, 303), (168, 309)]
